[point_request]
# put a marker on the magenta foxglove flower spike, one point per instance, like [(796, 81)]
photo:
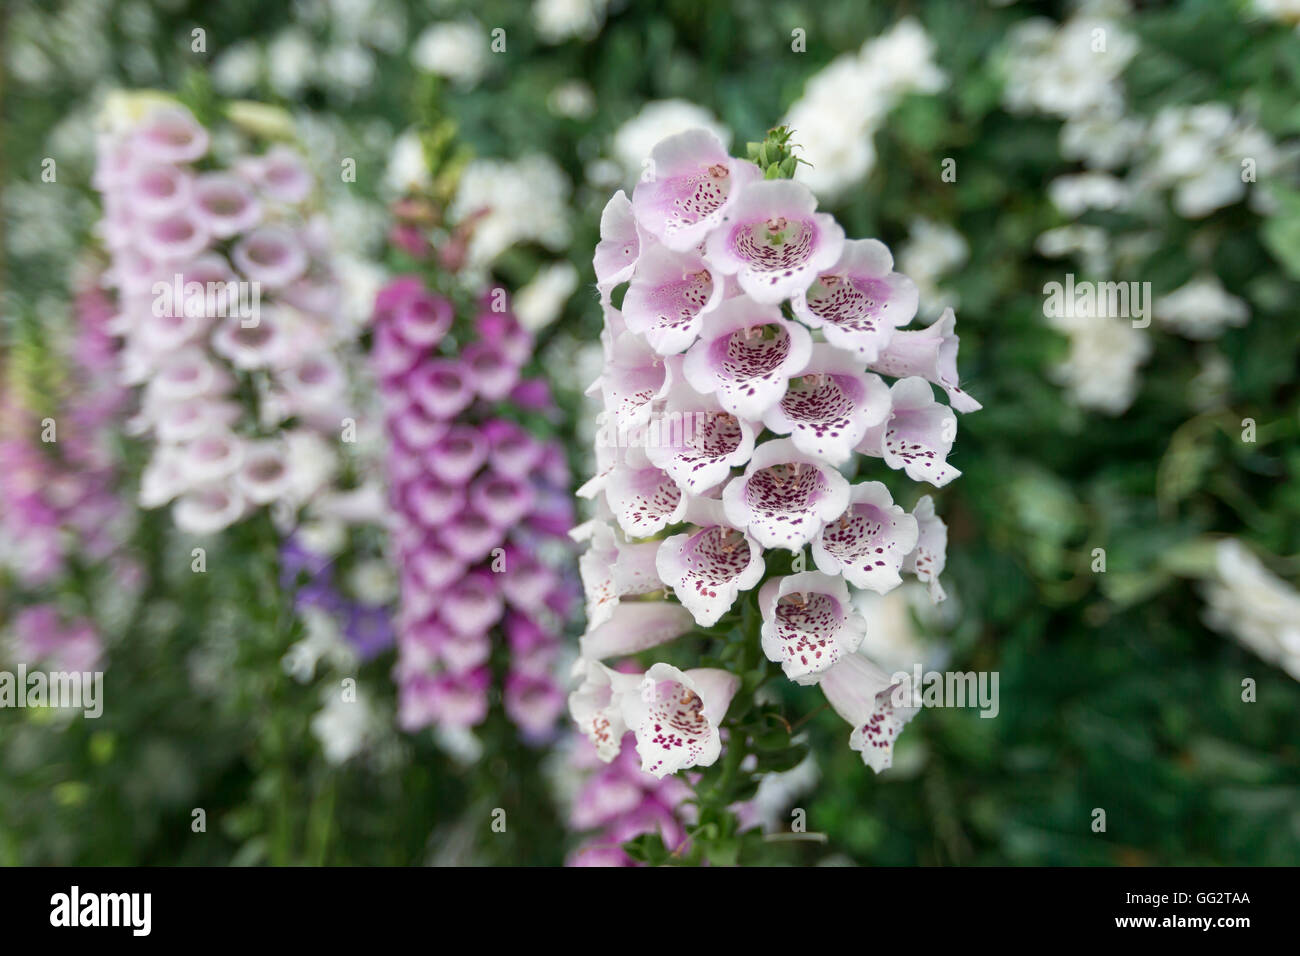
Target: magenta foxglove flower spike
[(476, 501)]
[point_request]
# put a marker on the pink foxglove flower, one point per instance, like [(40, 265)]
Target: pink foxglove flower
[(227, 299), (745, 376)]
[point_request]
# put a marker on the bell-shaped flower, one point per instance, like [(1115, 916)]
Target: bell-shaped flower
[(619, 246), (431, 501), (492, 372), (696, 442), (176, 237), (918, 434), (473, 604), (471, 536), (809, 623), (859, 301), (634, 376), (774, 241), (171, 134), (209, 510), (644, 500), (869, 541), (597, 705), (745, 355), (157, 190), (505, 499), (828, 408), (688, 186), (432, 566), (930, 353), (272, 255), (710, 565), (785, 496), (441, 387), (862, 694), (633, 627), (675, 717), (669, 296), (225, 204), (510, 448), (612, 568), (458, 454), (928, 558)]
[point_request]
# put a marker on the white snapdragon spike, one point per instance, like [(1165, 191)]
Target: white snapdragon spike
[(917, 436), (619, 246), (688, 186), (746, 355), (809, 623), (644, 500), (696, 442), (869, 542), (828, 408), (774, 241), (861, 693), (785, 496), (928, 558), (675, 717), (930, 353), (708, 566), (597, 705), (859, 301), (635, 626), (669, 296), (612, 568)]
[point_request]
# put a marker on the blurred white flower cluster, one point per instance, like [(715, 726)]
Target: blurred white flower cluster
[(560, 20), (514, 201), (1254, 606), (1203, 157), (842, 105)]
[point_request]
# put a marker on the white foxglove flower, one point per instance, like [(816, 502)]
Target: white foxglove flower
[(746, 355), (930, 555), (675, 717), (827, 409), (774, 241), (869, 542), (862, 694), (917, 436), (809, 623), (860, 300), (785, 497)]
